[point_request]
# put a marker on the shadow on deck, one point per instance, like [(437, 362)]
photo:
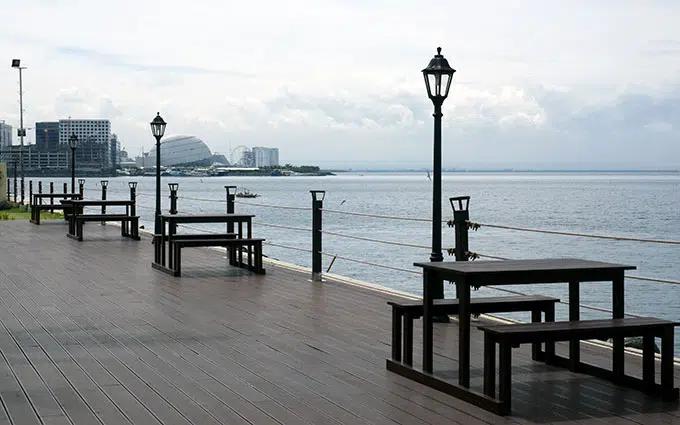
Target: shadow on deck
[(91, 334)]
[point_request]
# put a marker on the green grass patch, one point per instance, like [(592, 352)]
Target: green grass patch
[(19, 213)]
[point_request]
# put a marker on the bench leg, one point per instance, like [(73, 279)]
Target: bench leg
[(574, 315), (536, 346), (667, 342), (504, 374), (648, 361), (258, 257), (396, 334), (408, 339), (177, 263), (489, 366), (550, 345)]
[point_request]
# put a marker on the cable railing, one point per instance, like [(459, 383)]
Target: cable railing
[(477, 225), (461, 223)]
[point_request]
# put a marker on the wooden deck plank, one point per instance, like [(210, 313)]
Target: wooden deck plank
[(221, 345)]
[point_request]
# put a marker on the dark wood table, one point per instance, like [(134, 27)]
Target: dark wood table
[(80, 204), (172, 220), (37, 205), (466, 275)]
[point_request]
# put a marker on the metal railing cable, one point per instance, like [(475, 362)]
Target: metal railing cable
[(587, 235), (279, 226), (370, 263), (287, 247), (285, 207), (363, 238), (654, 279), (222, 201), (429, 220)]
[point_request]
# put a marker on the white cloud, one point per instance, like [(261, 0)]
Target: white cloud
[(536, 81)]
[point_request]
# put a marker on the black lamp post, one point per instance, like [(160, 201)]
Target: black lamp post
[(158, 129), (438, 76), (73, 143)]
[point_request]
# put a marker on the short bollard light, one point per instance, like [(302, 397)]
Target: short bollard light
[(317, 207), (81, 186), (105, 184), (133, 198), (173, 197), (231, 199), (461, 215)]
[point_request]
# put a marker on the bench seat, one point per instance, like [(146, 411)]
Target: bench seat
[(123, 218), (409, 310), (512, 335), (36, 209), (253, 258)]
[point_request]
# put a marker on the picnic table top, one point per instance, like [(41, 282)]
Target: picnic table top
[(97, 202), (56, 195)]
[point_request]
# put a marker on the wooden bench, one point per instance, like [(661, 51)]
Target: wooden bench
[(409, 310), (509, 336), (123, 218), (36, 209), (236, 245)]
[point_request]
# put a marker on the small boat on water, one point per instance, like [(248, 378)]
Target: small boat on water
[(245, 193)]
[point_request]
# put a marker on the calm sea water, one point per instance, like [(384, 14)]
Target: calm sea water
[(644, 205)]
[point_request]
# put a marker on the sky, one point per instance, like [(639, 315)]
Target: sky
[(338, 83)]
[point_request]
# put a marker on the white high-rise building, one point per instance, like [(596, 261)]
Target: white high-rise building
[(98, 131), (94, 142), (5, 134), (266, 157)]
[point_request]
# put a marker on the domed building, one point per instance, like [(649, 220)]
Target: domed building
[(180, 150)]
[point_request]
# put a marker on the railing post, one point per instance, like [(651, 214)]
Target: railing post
[(30, 193), (317, 206), (65, 187), (173, 197), (51, 199), (9, 188), (231, 199), (461, 215), (105, 184), (40, 191), (133, 207), (15, 191), (81, 187)]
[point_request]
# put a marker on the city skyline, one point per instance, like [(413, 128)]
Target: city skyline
[(582, 85)]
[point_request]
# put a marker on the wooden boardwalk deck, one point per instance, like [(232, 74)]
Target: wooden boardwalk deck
[(90, 334)]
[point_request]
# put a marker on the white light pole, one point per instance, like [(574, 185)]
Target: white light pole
[(16, 63)]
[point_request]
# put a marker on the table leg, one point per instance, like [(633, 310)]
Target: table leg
[(667, 345), (396, 334), (160, 245), (463, 290), (574, 315), (617, 308), (429, 281)]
